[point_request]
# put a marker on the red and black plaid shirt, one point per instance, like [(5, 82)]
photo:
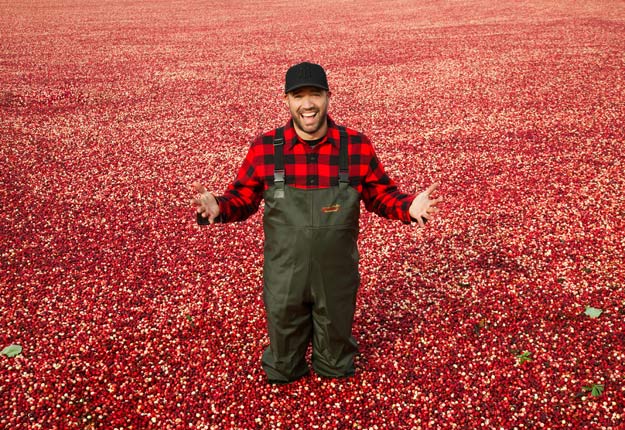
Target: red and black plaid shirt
[(310, 167)]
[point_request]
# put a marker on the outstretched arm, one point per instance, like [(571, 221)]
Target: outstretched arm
[(423, 207)]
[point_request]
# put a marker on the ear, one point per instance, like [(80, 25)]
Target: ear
[(286, 99)]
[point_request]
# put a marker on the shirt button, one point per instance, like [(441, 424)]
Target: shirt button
[(312, 181)]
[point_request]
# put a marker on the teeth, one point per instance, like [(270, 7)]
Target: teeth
[(309, 115)]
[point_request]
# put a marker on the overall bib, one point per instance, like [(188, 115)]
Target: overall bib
[(310, 273)]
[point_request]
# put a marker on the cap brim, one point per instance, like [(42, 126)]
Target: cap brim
[(298, 86)]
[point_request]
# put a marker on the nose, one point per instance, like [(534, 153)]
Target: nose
[(307, 102)]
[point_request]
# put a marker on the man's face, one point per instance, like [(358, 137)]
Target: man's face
[(309, 110)]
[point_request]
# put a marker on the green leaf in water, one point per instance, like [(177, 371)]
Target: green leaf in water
[(11, 351), (595, 389), (524, 356), (593, 312)]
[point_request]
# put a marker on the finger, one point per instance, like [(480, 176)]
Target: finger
[(432, 188), (199, 187), (196, 202), (434, 203)]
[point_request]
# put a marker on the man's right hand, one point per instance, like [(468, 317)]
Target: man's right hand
[(205, 203)]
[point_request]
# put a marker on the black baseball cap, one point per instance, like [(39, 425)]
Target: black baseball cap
[(305, 75)]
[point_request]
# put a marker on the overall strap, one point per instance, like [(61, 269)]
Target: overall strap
[(278, 156), (278, 163), (343, 157)]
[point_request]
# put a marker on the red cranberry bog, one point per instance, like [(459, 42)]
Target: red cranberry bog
[(506, 312)]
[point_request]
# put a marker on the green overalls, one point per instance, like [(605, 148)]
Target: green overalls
[(310, 273)]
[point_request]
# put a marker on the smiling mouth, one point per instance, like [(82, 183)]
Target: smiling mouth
[(309, 116)]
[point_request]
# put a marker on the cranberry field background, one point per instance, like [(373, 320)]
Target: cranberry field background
[(505, 312)]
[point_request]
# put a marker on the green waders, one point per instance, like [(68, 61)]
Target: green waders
[(310, 274)]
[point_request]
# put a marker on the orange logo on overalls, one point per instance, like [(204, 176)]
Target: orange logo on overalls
[(329, 209)]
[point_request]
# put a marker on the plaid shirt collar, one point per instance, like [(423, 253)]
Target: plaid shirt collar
[(291, 138)]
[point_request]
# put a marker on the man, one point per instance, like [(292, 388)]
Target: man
[(312, 175)]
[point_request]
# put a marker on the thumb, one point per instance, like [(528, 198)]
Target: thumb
[(432, 188)]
